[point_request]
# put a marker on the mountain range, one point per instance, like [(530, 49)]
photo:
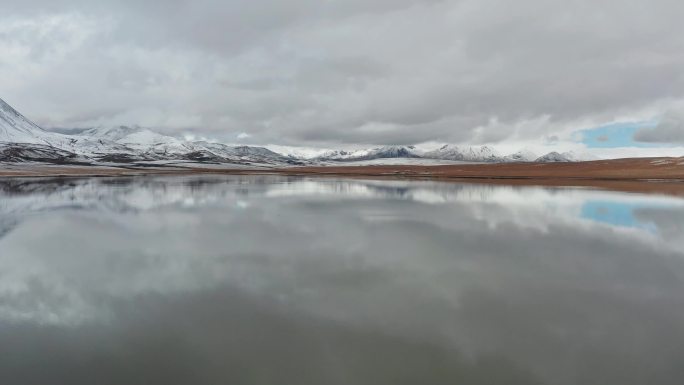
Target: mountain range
[(449, 152), (21, 140)]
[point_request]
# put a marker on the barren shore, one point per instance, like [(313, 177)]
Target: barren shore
[(647, 175)]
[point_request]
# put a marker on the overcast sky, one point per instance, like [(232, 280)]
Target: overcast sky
[(352, 72)]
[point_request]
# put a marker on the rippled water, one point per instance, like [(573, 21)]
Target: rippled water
[(274, 280)]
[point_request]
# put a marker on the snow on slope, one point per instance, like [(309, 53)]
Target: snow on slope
[(244, 153), (449, 152), (21, 139), (465, 154), (553, 157), (140, 139), (521, 156), (399, 162), (570, 156), (369, 154), (16, 128)]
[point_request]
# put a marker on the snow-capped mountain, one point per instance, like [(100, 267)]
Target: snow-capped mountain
[(140, 139), (449, 152), (370, 154), (120, 133), (16, 128), (244, 153), (556, 157), (553, 157), (22, 140), (465, 154), (521, 156)]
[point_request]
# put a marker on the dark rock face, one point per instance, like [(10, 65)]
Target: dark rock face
[(17, 153), (203, 156)]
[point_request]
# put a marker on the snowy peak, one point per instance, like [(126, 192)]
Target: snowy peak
[(466, 154), (569, 156), (370, 154), (147, 143), (242, 154), (135, 135), (555, 157), (16, 128), (23, 140), (7, 110), (111, 133), (521, 156), (450, 152), (20, 138)]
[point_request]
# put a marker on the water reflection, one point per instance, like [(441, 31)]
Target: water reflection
[(283, 280), (621, 214)]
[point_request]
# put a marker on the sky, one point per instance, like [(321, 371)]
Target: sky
[(596, 75)]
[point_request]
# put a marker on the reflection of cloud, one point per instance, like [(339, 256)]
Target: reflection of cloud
[(522, 205), (425, 269), (619, 214), (668, 220), (201, 338), (531, 207)]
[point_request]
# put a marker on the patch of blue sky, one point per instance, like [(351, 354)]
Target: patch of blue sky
[(620, 214), (616, 135)]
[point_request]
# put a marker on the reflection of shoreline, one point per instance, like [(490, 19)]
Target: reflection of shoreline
[(653, 176), (658, 187), (527, 206)]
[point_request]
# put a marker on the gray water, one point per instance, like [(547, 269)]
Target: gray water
[(274, 280)]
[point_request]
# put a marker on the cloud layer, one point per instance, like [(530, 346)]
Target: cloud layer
[(344, 72), (670, 129)]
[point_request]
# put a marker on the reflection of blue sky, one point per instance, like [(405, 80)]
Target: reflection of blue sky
[(616, 135), (617, 214)]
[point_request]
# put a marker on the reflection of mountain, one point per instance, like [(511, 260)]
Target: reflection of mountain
[(531, 206)]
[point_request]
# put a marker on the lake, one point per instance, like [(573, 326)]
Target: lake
[(283, 280)]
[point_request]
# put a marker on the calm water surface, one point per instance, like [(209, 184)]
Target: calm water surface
[(274, 280)]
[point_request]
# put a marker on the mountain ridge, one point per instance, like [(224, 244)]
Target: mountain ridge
[(21, 140)]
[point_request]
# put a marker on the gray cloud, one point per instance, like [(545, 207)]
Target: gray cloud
[(302, 72), (669, 130)]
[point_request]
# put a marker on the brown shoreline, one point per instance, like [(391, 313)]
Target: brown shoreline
[(643, 175)]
